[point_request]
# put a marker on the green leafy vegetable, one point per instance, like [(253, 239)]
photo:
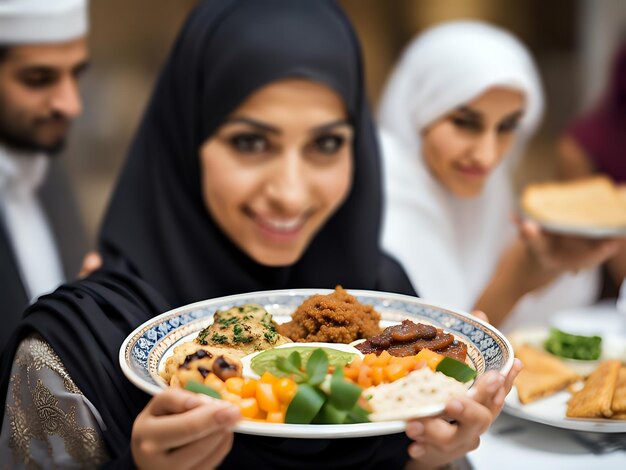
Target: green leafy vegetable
[(330, 415), (571, 346), (358, 414), (343, 395), (456, 369), (305, 405), (291, 366), (200, 388), (320, 397), (317, 367), (295, 359)]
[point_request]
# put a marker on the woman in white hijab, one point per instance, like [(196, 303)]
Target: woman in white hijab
[(455, 116)]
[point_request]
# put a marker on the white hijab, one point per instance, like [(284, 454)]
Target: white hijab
[(450, 246)]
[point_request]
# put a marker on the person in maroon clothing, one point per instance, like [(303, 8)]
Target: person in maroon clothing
[(595, 143)]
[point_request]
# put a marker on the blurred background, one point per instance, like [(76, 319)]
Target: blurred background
[(572, 41)]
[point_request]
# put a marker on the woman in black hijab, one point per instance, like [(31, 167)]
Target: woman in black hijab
[(172, 237)]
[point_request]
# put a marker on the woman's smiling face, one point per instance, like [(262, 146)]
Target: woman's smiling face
[(463, 147), (277, 168)]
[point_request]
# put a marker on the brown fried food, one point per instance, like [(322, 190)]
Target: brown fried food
[(594, 400), (192, 361), (543, 374), (618, 405), (334, 318)]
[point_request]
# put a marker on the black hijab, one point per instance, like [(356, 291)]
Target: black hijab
[(157, 219), (162, 249)]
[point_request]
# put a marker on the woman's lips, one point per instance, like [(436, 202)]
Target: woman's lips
[(279, 228), (472, 172)]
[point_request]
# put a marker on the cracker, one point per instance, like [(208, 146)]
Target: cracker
[(618, 405), (589, 202), (594, 400), (619, 416), (542, 375)]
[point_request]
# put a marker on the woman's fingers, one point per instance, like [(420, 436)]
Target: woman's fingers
[(486, 387), (598, 254), (480, 314), (470, 420), (204, 453), (516, 368), (498, 400), (181, 429), (176, 417), (172, 401), (471, 417), (565, 252), (491, 389), (92, 262)]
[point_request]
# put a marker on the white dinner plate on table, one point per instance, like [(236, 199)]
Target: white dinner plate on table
[(551, 410)]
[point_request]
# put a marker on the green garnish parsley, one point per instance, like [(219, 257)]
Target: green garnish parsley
[(220, 339), (238, 336), (226, 322), (202, 336)]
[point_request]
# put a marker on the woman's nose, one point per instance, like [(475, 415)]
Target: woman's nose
[(485, 150), (287, 187)]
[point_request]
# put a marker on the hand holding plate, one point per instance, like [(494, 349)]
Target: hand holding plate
[(180, 429), (559, 253)]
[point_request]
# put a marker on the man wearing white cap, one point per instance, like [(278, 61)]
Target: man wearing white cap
[(43, 52)]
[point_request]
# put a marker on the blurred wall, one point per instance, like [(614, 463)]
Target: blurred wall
[(129, 41)]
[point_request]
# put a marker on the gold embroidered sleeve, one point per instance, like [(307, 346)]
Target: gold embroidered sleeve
[(48, 421)]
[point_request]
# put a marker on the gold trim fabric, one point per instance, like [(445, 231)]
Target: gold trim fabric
[(48, 422)]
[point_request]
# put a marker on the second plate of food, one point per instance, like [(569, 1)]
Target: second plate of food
[(565, 392)]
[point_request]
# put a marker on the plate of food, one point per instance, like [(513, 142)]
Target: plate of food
[(592, 207), (317, 363), (570, 381)]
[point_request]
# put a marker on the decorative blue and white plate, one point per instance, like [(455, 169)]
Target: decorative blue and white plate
[(144, 351)]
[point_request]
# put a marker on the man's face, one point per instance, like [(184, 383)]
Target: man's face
[(39, 94)]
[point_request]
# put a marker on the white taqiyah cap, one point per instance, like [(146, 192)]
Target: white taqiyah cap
[(42, 21)]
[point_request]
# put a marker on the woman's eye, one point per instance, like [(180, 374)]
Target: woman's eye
[(508, 126), (250, 143), (329, 144), (466, 124)]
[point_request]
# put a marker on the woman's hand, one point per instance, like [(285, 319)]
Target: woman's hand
[(481, 315), (91, 262), (183, 430), (559, 253), (439, 441)]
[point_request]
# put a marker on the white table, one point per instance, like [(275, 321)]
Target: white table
[(514, 443)]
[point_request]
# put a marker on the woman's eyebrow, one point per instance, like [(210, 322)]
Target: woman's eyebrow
[(469, 111), (515, 115), (330, 125), (254, 123)]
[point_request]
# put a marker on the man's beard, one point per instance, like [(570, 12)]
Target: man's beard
[(25, 139)]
